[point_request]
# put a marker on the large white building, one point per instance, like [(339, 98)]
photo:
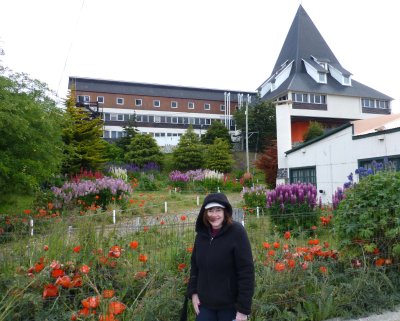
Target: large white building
[(309, 83)]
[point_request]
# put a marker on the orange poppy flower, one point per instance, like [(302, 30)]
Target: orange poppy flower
[(64, 281), (50, 290), (143, 258), (27, 212), (181, 266), (116, 307), (46, 248), (189, 249), (50, 206), (134, 244), (266, 245), (271, 252), (115, 251), (308, 257), (91, 302), (323, 269), (380, 262), (77, 281), (84, 269), (145, 228), (279, 267), (291, 263), (39, 267), (103, 260), (77, 249), (140, 275), (56, 273), (276, 245), (183, 218), (286, 235), (107, 294), (162, 222)]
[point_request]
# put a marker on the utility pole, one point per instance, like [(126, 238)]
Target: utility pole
[(247, 132)]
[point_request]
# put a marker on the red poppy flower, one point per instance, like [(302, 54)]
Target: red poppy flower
[(115, 251), (134, 244), (276, 245), (50, 290), (271, 252), (116, 307), (323, 269), (107, 317), (39, 267), (77, 249), (46, 248), (183, 218), (291, 263), (145, 228), (380, 262), (77, 281), (287, 235), (27, 212), (189, 249)]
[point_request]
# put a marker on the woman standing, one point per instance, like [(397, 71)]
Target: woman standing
[(221, 282)]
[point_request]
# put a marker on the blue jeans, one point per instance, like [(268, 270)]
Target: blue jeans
[(207, 314)]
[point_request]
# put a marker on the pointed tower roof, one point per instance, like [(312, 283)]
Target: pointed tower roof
[(304, 55)]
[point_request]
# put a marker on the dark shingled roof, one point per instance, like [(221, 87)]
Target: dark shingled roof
[(304, 41), (155, 90)]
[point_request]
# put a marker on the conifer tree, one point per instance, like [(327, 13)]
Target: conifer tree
[(219, 157), (315, 129), (85, 147), (216, 130), (142, 150), (188, 154)]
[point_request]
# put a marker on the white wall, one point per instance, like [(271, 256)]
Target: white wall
[(336, 156)]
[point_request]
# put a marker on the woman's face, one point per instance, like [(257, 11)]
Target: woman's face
[(215, 217)]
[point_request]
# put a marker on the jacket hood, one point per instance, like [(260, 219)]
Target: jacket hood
[(212, 198)]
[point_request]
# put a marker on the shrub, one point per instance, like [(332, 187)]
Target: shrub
[(367, 218), (293, 206), (254, 196)]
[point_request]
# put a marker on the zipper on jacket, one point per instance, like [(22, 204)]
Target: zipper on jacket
[(211, 240)]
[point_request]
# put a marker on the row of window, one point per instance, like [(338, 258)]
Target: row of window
[(139, 102), (375, 103), (114, 134), (160, 119), (309, 98)]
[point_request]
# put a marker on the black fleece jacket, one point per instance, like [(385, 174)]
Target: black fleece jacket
[(222, 268)]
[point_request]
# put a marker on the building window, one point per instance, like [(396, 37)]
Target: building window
[(380, 163), (138, 102), (156, 103), (82, 99), (190, 105), (100, 99), (300, 97), (303, 175), (120, 101), (207, 106), (322, 77), (174, 104), (222, 107), (317, 99)]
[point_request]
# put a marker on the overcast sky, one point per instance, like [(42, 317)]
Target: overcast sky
[(223, 44)]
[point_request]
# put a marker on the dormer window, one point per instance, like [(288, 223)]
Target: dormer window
[(322, 77)]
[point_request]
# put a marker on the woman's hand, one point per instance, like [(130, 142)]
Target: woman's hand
[(240, 316), (196, 303)]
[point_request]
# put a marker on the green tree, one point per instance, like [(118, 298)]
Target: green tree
[(261, 123), (216, 130), (142, 150), (82, 135), (130, 131), (30, 135), (315, 129), (188, 154), (219, 157)]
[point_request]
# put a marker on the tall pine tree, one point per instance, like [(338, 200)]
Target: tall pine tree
[(85, 147), (219, 157)]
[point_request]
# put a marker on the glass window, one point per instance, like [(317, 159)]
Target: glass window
[(207, 106), (107, 116), (138, 102), (82, 99), (120, 101), (303, 175), (120, 117), (100, 99), (222, 107), (174, 104), (190, 105), (156, 103), (208, 121)]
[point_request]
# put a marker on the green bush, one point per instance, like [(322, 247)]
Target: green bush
[(367, 219)]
